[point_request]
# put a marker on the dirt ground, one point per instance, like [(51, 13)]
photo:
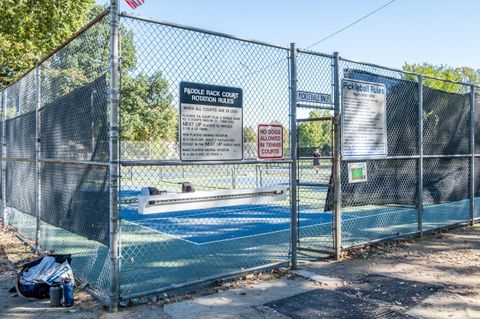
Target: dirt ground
[(450, 260)]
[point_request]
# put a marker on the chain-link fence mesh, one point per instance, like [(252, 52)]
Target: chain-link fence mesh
[(20, 156), (2, 105), (476, 163), (74, 154), (70, 193), (55, 190), (387, 204), (187, 246), (446, 133), (315, 152)]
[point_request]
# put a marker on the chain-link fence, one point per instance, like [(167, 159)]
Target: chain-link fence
[(233, 155), (198, 244), (315, 153), (55, 156), (425, 181)]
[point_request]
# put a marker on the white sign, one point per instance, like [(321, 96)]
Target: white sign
[(364, 128), (313, 97), (357, 172), (270, 141), (211, 122)]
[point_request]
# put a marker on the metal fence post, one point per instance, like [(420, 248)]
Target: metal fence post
[(420, 157), (337, 200), (37, 156), (4, 163), (113, 160), (293, 153), (234, 177), (472, 158)]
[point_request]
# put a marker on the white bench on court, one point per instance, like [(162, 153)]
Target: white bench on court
[(174, 202)]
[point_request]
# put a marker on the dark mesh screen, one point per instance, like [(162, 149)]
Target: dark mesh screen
[(20, 176), (401, 108), (75, 196), (20, 186), (446, 131), (446, 123), (20, 136), (75, 126), (445, 180)]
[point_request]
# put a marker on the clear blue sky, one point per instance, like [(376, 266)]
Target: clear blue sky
[(413, 31)]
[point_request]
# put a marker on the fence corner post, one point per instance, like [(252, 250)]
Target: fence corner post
[(337, 196), (293, 155), (420, 158), (37, 156), (472, 151), (114, 251), (4, 162)]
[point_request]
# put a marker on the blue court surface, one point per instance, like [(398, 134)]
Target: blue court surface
[(225, 223)]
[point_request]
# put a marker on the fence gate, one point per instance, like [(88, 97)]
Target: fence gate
[(315, 146)]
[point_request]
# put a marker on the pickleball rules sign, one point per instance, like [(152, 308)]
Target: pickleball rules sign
[(211, 122)]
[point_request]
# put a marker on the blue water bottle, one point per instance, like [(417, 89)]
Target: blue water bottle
[(67, 293)]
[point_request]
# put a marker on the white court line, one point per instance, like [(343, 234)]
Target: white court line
[(286, 230), (227, 239)]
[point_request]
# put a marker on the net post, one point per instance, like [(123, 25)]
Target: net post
[(293, 155), (472, 151), (420, 158), (4, 162), (337, 195), (37, 156), (114, 251)]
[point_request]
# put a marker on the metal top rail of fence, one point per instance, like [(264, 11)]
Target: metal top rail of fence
[(200, 30), (409, 72), (74, 36)]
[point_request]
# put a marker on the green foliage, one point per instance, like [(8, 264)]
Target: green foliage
[(85, 58), (316, 134), (147, 112), (31, 29), (249, 135), (462, 74)]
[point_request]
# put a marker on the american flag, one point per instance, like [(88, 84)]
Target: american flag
[(134, 3)]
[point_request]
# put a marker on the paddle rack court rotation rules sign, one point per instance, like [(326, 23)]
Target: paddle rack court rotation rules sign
[(270, 141), (364, 128), (211, 122)]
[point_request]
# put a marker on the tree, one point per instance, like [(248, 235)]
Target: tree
[(31, 29), (249, 135), (461, 74), (315, 134), (85, 58), (147, 112)]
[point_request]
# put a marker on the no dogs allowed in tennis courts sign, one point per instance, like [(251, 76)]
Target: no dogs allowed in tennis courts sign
[(270, 141), (211, 122)]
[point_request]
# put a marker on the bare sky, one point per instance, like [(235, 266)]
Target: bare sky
[(413, 31)]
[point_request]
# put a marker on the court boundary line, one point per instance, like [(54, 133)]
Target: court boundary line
[(286, 230), (226, 239)]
